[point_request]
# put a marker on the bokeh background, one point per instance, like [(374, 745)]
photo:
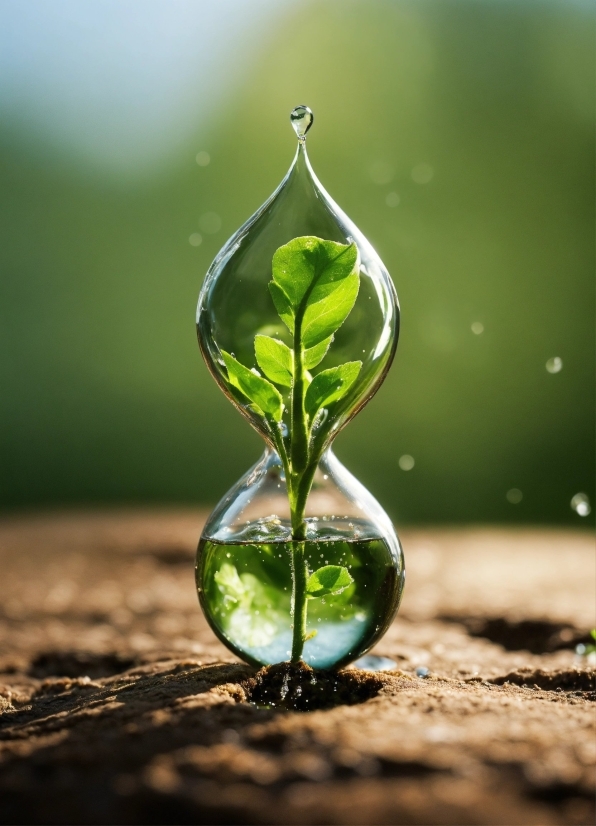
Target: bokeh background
[(137, 135)]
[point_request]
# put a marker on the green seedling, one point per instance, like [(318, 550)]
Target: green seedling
[(314, 287)]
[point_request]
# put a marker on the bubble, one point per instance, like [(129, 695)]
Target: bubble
[(406, 462), (514, 496), (203, 158), (422, 671), (477, 328), (581, 504), (381, 172), (196, 239), (423, 173), (554, 365), (210, 222), (392, 199)]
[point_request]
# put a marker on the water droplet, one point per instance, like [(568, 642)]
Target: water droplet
[(514, 496), (554, 365), (392, 199), (196, 239), (422, 671), (203, 158), (406, 462), (477, 328), (210, 222), (301, 119), (423, 173), (581, 504)]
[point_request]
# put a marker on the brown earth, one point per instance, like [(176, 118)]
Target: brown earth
[(118, 705)]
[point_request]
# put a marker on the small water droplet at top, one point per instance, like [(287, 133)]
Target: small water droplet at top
[(301, 119), (514, 496), (203, 158), (477, 328), (422, 671), (554, 365), (581, 504)]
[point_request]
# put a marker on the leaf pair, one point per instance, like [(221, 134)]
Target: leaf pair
[(315, 284), (276, 360), (265, 397)]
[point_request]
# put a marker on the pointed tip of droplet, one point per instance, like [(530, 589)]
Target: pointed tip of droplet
[(301, 118)]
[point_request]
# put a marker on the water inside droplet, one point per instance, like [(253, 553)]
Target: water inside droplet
[(301, 119)]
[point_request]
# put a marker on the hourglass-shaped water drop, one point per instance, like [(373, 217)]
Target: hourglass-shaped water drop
[(298, 323)]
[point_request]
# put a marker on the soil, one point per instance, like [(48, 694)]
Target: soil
[(118, 704)]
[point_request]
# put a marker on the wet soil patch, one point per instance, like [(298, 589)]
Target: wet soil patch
[(75, 664), (536, 636), (568, 680), (297, 687)]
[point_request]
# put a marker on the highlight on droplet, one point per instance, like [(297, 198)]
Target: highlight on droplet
[(581, 504), (406, 462), (554, 365), (514, 495)]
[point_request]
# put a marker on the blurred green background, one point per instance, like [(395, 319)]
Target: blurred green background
[(457, 134)]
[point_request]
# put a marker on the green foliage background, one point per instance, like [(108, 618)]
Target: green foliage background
[(104, 396)]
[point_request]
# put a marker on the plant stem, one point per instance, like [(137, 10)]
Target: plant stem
[(299, 577), (298, 429)]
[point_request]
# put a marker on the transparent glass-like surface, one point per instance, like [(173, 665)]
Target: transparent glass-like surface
[(298, 321), (245, 566), (235, 304)]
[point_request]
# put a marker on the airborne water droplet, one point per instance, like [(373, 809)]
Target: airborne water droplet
[(301, 119)]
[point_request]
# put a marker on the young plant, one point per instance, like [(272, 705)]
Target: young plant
[(314, 288)]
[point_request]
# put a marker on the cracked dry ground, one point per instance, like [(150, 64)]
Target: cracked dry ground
[(118, 705)]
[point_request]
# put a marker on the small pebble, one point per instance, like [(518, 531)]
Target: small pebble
[(422, 671)]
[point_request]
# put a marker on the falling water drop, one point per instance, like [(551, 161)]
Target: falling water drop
[(554, 365), (301, 119), (581, 504)]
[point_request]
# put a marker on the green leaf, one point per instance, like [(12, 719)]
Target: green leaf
[(229, 582), (310, 265), (316, 354), (324, 317), (275, 359), (257, 389), (282, 305), (330, 386), (331, 579)]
